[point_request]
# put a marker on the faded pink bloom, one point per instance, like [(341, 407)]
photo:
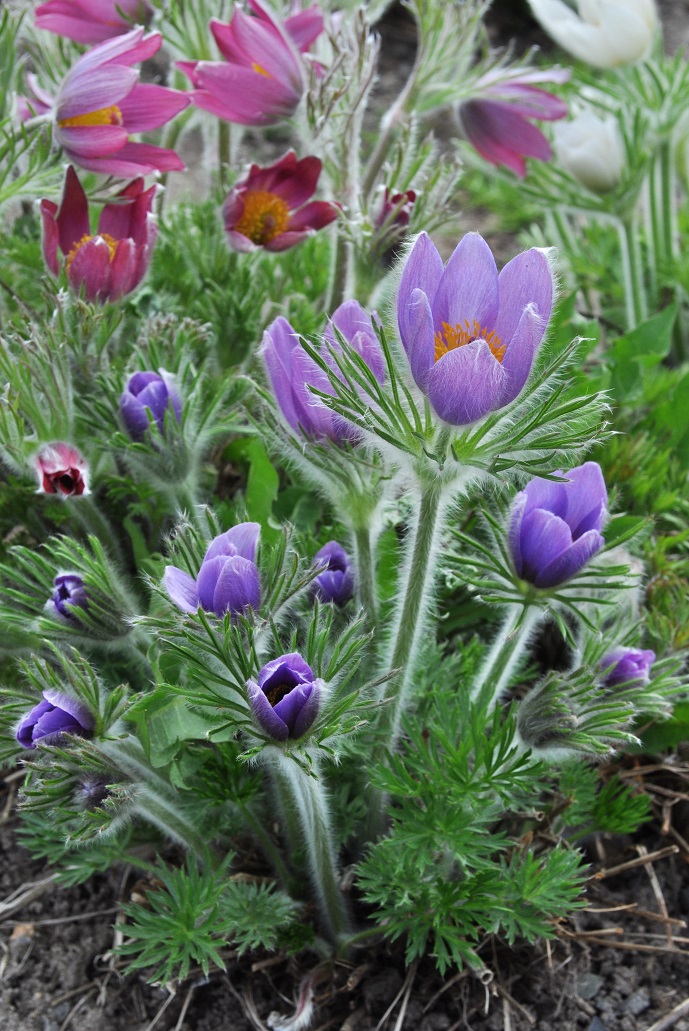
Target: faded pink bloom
[(112, 262), (92, 21), (262, 78), (61, 469), (268, 208), (496, 120)]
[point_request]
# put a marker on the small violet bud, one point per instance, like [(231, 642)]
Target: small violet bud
[(626, 666), (148, 396), (286, 699), (61, 470), (69, 593), (56, 714), (228, 579), (391, 224), (336, 582)]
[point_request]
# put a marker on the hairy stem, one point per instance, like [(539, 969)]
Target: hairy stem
[(365, 575), (504, 655)]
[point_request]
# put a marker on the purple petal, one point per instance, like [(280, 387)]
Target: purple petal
[(238, 586), (77, 710), (468, 290), (420, 345), (290, 708), (181, 588), (279, 341), (587, 498), (423, 271), (526, 280), (515, 529), (265, 714), (244, 538), (548, 495), (544, 538), (520, 353), (24, 732), (570, 561), (466, 384), (309, 711), (291, 667)]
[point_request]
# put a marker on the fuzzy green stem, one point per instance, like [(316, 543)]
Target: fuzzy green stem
[(339, 276), (632, 273), (264, 839), (224, 148), (365, 574), (504, 655)]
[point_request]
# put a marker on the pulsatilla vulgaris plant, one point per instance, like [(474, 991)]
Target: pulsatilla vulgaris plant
[(229, 595)]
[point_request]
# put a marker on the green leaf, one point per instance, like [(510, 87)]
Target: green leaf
[(262, 482), (643, 348), (659, 737)]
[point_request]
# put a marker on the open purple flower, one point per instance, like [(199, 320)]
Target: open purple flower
[(336, 582), (69, 594), (149, 395), (470, 334), (626, 666), (56, 714), (555, 527), (228, 579), (286, 699)]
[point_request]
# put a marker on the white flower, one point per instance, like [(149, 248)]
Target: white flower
[(605, 33), (591, 149)]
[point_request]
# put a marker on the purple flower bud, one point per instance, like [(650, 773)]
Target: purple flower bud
[(626, 666), (148, 395), (336, 582), (56, 714), (391, 224), (228, 579), (286, 699), (555, 527), (69, 593)]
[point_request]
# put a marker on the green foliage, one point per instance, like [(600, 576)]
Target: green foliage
[(589, 803), (38, 833)]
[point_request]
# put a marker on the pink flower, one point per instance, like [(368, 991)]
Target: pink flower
[(91, 21), (496, 120), (263, 79), (112, 262), (61, 470), (101, 103), (268, 208)]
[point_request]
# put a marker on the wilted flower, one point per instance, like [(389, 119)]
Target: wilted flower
[(110, 263), (149, 396), (228, 579), (496, 119), (336, 582), (592, 150), (471, 335), (56, 714), (262, 78), (626, 666), (605, 33), (555, 527), (61, 470), (268, 208), (69, 593), (286, 699), (292, 371), (91, 21)]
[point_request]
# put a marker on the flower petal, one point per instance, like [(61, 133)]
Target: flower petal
[(423, 270), (91, 141), (544, 538), (238, 586), (525, 280), (148, 107), (466, 384), (468, 289), (520, 353), (90, 269), (587, 498), (571, 560), (265, 714), (180, 587)]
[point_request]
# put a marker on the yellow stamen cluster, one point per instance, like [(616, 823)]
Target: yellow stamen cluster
[(261, 70), (104, 116), (265, 216), (111, 242), (450, 337)]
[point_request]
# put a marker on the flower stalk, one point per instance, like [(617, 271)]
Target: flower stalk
[(504, 655)]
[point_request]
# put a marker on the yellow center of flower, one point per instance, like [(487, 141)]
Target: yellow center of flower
[(104, 116), (265, 216), (261, 70), (111, 242), (450, 337)]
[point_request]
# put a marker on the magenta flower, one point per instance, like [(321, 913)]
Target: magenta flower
[(61, 469), (626, 666), (336, 582), (555, 527), (286, 699), (92, 21), (470, 334), (55, 715), (269, 208), (149, 396), (263, 78), (111, 263), (228, 579), (496, 120), (101, 103)]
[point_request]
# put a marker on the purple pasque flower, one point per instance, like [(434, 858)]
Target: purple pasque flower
[(56, 714), (292, 371), (148, 396), (228, 579), (69, 593), (287, 697), (555, 527), (470, 334), (336, 582), (91, 21), (495, 119), (626, 666)]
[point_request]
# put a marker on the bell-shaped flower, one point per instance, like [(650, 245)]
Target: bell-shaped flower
[(61, 469), (555, 528), (149, 396), (112, 262), (471, 335), (292, 371), (626, 666), (101, 103), (286, 699), (592, 150), (263, 76), (336, 582), (391, 224), (271, 208), (69, 593), (497, 118), (228, 579), (92, 21), (55, 715), (603, 33)]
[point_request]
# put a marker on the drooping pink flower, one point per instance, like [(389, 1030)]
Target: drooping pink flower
[(109, 264), (101, 103), (262, 78), (269, 208), (496, 120), (61, 469), (92, 21)]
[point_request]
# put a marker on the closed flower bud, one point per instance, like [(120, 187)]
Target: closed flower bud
[(62, 470), (591, 149), (148, 396), (286, 699), (70, 593), (228, 579), (55, 715), (626, 666), (336, 582), (603, 33)]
